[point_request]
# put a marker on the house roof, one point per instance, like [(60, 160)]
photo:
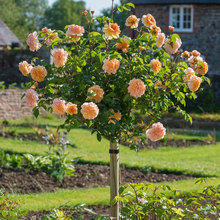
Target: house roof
[(6, 35), (162, 2)]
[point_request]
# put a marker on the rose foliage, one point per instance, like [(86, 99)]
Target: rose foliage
[(105, 79)]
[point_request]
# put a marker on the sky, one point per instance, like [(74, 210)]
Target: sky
[(96, 5)]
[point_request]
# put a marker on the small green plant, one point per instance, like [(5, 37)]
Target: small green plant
[(2, 85), (147, 201)]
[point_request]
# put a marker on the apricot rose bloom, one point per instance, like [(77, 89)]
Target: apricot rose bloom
[(71, 109), (123, 46), (148, 20), (31, 98), (75, 31), (99, 93), (202, 68), (172, 48), (25, 67), (160, 39), (115, 115), (89, 110), (38, 73), (155, 30), (33, 42), (155, 66), (111, 30), (58, 106), (194, 83), (49, 35), (195, 53), (132, 21), (185, 54), (111, 66), (189, 72), (157, 132), (136, 88), (59, 57)]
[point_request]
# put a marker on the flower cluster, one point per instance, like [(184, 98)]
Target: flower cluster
[(99, 80)]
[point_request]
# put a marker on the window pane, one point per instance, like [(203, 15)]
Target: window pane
[(187, 13), (176, 17)]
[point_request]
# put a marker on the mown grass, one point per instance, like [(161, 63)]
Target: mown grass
[(197, 160), (94, 196)]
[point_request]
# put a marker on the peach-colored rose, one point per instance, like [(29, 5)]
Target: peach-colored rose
[(123, 46), (185, 54), (115, 115), (85, 12), (202, 68), (195, 53), (171, 28), (172, 48), (59, 57), (111, 31), (194, 60), (155, 66), (136, 88), (99, 93), (148, 20), (155, 30), (31, 98), (75, 31), (194, 83), (25, 67), (160, 40), (38, 73), (189, 72), (111, 66), (33, 41), (132, 21), (89, 110), (71, 109), (49, 35), (157, 132), (58, 106)]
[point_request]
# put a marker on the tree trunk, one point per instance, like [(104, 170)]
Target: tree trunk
[(114, 179)]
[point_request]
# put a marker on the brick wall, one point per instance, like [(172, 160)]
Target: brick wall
[(12, 106)]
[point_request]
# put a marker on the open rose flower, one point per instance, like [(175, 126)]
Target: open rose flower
[(189, 72), (172, 48), (202, 68), (71, 109), (132, 21), (111, 66), (49, 35), (31, 98), (155, 30), (115, 115), (160, 39), (59, 57), (148, 20), (38, 73), (194, 83), (89, 110), (25, 67), (33, 42), (58, 106), (75, 32), (195, 53), (111, 31), (157, 132), (99, 93), (123, 46), (155, 66), (185, 54), (136, 88)]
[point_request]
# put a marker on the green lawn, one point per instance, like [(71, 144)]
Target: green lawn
[(94, 196), (198, 160)]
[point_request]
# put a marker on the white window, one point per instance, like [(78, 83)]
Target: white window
[(181, 17)]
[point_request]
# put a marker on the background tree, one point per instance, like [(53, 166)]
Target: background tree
[(65, 12)]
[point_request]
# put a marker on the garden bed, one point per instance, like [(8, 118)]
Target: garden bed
[(86, 176)]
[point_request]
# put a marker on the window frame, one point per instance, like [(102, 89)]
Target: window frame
[(181, 7)]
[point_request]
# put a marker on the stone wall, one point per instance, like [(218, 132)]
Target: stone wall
[(204, 38), (12, 106)]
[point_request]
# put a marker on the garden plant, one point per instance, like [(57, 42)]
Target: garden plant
[(101, 79)]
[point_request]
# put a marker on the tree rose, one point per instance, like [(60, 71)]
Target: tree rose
[(136, 88), (157, 132), (99, 93), (75, 31), (111, 66), (31, 98), (132, 21), (172, 48), (58, 106), (71, 109), (38, 73), (59, 57), (160, 40), (123, 46), (156, 66), (89, 110), (194, 83), (33, 42), (202, 68), (148, 20), (25, 67), (111, 31)]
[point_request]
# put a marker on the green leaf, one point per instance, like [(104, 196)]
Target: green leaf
[(36, 112), (99, 137), (130, 4)]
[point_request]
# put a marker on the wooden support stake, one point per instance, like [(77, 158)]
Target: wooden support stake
[(114, 179)]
